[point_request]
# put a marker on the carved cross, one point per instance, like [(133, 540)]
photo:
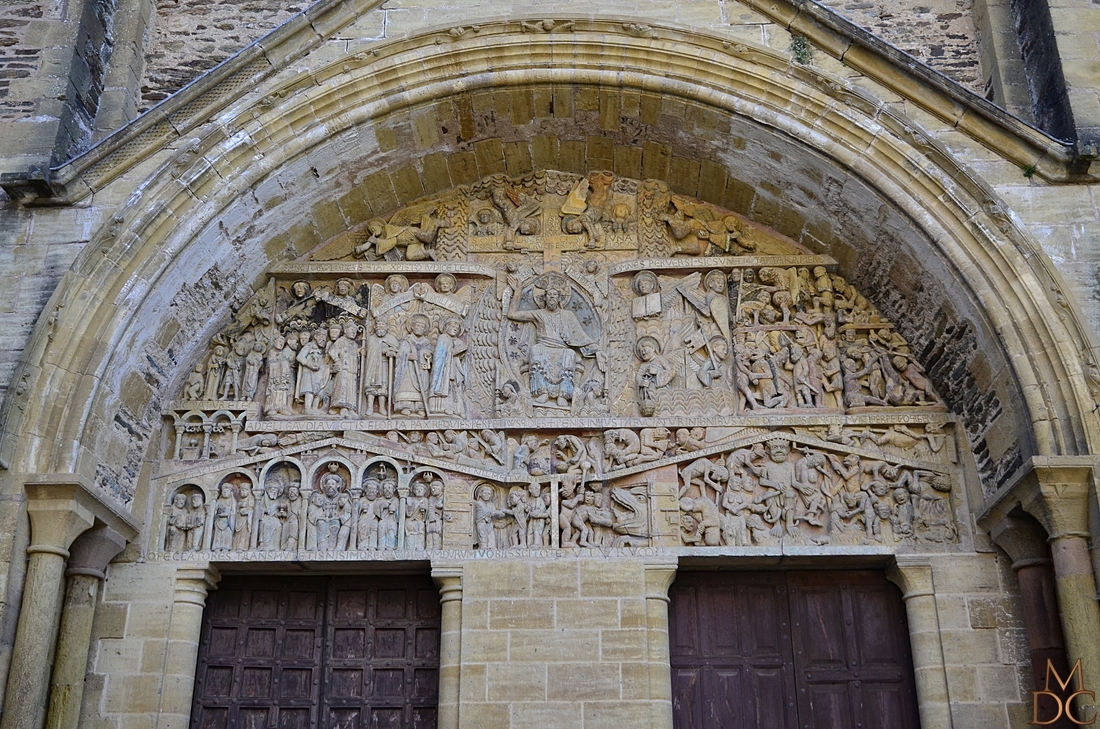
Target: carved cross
[(554, 242)]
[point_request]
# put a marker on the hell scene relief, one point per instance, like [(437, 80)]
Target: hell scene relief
[(556, 362)]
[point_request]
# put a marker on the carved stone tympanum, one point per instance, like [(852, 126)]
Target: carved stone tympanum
[(556, 362)]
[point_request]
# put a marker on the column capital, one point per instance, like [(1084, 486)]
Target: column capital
[(1023, 539), (659, 575), (1053, 489), (913, 574), (448, 578), (61, 507), (93, 550), (194, 583)]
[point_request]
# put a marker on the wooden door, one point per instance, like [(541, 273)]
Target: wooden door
[(852, 658), (824, 650), (742, 674), (328, 653), (383, 665)]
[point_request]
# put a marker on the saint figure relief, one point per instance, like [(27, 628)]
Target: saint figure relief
[(559, 336)]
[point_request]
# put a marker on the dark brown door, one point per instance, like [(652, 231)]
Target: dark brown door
[(328, 653), (790, 650)]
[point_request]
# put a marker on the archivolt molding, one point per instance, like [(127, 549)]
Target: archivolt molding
[(97, 307)]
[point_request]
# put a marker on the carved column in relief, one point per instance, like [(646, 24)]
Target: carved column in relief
[(914, 577), (1026, 543), (449, 580), (193, 584), (59, 510), (658, 578), (91, 552), (1059, 488)]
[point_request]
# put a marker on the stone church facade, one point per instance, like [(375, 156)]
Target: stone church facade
[(714, 364)]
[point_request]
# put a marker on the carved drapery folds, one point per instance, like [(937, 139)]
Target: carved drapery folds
[(554, 362)]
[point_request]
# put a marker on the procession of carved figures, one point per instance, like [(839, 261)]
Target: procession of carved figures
[(378, 510), (536, 336), (593, 490), (771, 491)]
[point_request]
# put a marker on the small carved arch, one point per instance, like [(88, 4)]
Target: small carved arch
[(369, 469), (185, 517), (331, 464), (283, 461)]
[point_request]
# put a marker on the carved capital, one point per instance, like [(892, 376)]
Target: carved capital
[(658, 578), (1058, 491), (194, 583), (1023, 539), (449, 580), (1053, 489), (61, 507), (913, 575), (93, 550)]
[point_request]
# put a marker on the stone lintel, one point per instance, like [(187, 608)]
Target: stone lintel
[(61, 506)]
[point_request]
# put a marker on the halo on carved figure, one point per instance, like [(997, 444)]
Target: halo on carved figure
[(647, 341), (645, 283), (571, 296), (446, 283), (715, 280), (331, 472), (396, 283), (301, 289)]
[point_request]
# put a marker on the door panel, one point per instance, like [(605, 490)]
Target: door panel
[(822, 650), (345, 653), (858, 621), (730, 644)]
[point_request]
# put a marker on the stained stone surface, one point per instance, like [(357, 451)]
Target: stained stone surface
[(556, 361)]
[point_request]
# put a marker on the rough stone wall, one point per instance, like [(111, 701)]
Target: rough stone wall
[(1046, 84), (189, 37), (90, 58), (940, 33), (19, 57), (53, 62)]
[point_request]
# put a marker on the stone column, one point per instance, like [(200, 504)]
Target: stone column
[(193, 583), (1024, 540), (658, 578), (449, 580), (1059, 499), (60, 509), (91, 552), (914, 577)]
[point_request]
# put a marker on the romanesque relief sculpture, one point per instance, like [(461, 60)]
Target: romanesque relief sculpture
[(555, 361), (186, 524), (561, 352), (233, 511), (776, 490)]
